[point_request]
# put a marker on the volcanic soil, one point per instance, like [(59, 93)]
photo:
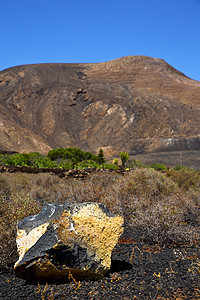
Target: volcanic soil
[(139, 270)]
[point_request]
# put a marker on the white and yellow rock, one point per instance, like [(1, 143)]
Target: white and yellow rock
[(78, 238)]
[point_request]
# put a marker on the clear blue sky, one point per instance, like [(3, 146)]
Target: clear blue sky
[(40, 31)]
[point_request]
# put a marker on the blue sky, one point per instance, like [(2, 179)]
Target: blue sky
[(43, 31)]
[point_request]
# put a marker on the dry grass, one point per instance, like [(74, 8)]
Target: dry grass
[(157, 206), (189, 181), (161, 206)]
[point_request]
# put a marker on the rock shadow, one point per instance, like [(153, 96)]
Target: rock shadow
[(118, 265)]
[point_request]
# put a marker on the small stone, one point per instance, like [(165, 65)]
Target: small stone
[(64, 239)]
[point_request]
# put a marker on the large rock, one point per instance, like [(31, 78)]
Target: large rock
[(67, 238)]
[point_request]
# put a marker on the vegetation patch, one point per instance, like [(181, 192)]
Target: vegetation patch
[(62, 158), (160, 206)]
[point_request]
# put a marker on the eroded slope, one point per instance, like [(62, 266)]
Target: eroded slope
[(137, 104)]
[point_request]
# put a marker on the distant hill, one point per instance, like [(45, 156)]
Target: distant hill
[(137, 104)]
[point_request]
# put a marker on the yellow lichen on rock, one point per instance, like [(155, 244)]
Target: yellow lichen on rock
[(94, 229)]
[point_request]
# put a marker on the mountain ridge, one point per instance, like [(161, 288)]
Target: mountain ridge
[(136, 104)]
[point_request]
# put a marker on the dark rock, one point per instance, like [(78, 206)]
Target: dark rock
[(67, 239)]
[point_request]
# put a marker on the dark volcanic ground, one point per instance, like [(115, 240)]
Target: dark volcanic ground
[(139, 271)]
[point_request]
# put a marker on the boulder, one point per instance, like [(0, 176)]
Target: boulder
[(67, 239)]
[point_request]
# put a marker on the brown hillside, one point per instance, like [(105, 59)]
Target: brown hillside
[(137, 104)]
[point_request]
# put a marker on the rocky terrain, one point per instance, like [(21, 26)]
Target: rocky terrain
[(137, 104)]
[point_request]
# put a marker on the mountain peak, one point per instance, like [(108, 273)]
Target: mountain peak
[(137, 104)]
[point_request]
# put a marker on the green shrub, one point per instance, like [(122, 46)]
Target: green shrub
[(33, 159), (18, 159), (64, 164), (124, 157), (75, 155), (158, 167), (179, 167), (110, 166), (88, 164), (115, 161), (45, 162)]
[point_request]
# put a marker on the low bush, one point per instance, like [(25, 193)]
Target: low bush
[(156, 206), (75, 155), (88, 164), (186, 178), (64, 164), (189, 181), (179, 167), (124, 157), (158, 167), (18, 159), (163, 222), (148, 183), (110, 166), (133, 164)]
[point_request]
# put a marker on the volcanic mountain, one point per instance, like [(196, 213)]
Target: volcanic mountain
[(137, 104)]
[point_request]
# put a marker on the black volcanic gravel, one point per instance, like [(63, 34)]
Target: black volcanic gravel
[(139, 271)]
